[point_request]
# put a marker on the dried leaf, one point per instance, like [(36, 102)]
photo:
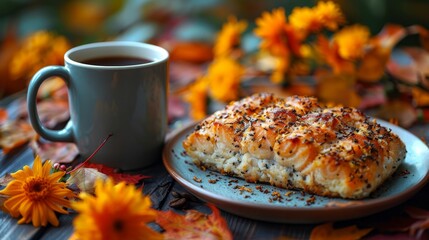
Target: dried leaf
[(53, 111), (57, 152), (3, 116), (84, 179), (389, 36), (194, 52), (409, 64), (194, 225), (4, 181), (326, 231), (403, 111), (424, 35), (14, 134), (118, 177), (422, 224)]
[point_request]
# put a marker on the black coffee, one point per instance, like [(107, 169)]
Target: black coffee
[(116, 61)]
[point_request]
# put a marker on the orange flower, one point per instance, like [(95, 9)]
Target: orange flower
[(229, 37), (330, 14), (224, 76), (115, 212), (305, 19), (312, 20), (352, 41), (196, 98), (329, 53), (40, 49), (278, 37), (36, 194)]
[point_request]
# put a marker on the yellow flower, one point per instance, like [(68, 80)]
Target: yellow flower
[(330, 14), (196, 97), (224, 75), (115, 212), (329, 53), (40, 49), (352, 41), (271, 28), (305, 19), (36, 194), (313, 20), (229, 37)]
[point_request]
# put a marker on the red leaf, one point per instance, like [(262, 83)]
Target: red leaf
[(3, 115), (194, 225), (118, 177)]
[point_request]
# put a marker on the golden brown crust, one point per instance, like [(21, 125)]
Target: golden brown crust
[(295, 143)]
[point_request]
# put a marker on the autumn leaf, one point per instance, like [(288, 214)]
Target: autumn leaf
[(423, 34), (14, 134), (4, 181), (118, 177), (84, 179), (422, 224), (57, 152), (53, 111), (403, 111), (3, 115), (194, 52), (194, 225), (326, 231)]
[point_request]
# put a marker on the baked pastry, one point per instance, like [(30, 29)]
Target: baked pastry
[(295, 143)]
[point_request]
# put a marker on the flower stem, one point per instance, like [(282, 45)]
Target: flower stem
[(92, 155)]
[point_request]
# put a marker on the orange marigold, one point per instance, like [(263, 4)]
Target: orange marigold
[(36, 194), (38, 50), (229, 37), (224, 76), (117, 211), (352, 41), (196, 98), (330, 15), (305, 20), (312, 20), (271, 28)]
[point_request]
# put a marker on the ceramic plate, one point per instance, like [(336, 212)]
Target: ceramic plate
[(268, 203)]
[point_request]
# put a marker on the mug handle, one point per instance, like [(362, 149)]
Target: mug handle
[(63, 135)]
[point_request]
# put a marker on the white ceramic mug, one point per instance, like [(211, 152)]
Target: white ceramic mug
[(127, 101)]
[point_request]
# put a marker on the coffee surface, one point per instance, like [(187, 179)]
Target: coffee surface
[(116, 61)]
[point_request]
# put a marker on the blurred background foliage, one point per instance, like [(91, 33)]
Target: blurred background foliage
[(164, 22), (94, 20)]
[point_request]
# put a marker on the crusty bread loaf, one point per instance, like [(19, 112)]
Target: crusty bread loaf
[(296, 144)]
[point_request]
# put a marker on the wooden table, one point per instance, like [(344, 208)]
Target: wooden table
[(160, 188)]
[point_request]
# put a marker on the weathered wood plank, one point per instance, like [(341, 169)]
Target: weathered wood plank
[(10, 229), (64, 231)]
